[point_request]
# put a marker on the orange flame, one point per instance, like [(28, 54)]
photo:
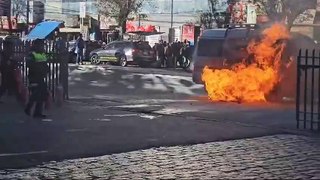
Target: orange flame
[(250, 82)]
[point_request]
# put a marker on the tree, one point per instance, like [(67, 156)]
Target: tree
[(119, 9), (19, 8), (286, 10), (207, 18), (213, 5)]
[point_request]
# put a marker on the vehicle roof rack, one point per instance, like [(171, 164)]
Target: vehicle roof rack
[(249, 27), (233, 26)]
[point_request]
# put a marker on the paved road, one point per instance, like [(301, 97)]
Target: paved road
[(119, 83), (116, 110), (271, 157), (80, 130)]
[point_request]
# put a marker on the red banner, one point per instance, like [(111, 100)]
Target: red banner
[(131, 27), (188, 33), (4, 23)]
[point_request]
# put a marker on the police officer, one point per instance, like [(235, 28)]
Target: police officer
[(38, 70)]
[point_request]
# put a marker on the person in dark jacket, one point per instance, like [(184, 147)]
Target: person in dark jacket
[(7, 67), (38, 70), (80, 45), (169, 55)]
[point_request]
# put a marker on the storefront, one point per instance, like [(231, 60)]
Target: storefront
[(15, 29)]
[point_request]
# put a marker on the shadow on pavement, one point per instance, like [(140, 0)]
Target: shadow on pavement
[(100, 80)]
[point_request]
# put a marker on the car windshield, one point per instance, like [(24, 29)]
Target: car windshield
[(142, 46), (210, 47)]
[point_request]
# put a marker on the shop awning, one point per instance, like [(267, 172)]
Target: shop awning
[(43, 30), (70, 30), (144, 33)]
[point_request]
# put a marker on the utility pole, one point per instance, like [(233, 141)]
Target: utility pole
[(28, 14), (171, 30), (9, 17), (171, 13)]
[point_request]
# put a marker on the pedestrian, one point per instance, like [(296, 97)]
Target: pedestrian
[(38, 70), (176, 47), (161, 54), (7, 69), (79, 49), (169, 54)]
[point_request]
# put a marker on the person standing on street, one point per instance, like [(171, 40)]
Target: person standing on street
[(160, 53), (169, 54), (7, 68), (38, 70), (79, 49)]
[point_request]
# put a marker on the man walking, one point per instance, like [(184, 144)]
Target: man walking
[(38, 70), (79, 49)]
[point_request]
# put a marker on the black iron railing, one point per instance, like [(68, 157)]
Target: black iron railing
[(308, 87), (57, 79)]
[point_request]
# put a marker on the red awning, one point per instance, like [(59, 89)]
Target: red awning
[(131, 27)]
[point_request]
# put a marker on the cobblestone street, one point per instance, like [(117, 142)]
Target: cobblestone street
[(280, 156)]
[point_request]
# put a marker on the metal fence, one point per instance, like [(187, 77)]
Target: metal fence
[(308, 86), (57, 78)]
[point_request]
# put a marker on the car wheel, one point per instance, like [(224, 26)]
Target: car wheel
[(123, 61), (95, 59)]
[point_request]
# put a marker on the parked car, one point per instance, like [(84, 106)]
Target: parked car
[(124, 53), (89, 46), (220, 48)]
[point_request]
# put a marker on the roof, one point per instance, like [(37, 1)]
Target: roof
[(214, 33), (143, 33), (43, 30), (70, 30), (238, 33)]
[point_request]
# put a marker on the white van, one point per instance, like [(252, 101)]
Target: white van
[(220, 48)]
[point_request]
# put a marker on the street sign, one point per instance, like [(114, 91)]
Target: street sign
[(82, 9), (85, 32), (251, 14)]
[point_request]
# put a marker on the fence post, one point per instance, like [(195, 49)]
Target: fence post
[(64, 70), (312, 86), (298, 90), (305, 102)]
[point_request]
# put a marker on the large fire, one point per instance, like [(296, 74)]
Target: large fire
[(251, 82)]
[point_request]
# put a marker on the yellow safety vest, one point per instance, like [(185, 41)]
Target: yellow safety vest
[(39, 57)]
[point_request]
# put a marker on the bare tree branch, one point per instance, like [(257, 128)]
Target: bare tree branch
[(280, 10), (119, 9)]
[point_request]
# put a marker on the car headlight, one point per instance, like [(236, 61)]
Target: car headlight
[(128, 52)]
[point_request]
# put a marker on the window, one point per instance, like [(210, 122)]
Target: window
[(210, 47), (142, 46), (119, 45), (110, 45)]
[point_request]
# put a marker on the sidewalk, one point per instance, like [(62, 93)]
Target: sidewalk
[(271, 157)]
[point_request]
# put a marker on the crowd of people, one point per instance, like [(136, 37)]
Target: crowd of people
[(173, 54)]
